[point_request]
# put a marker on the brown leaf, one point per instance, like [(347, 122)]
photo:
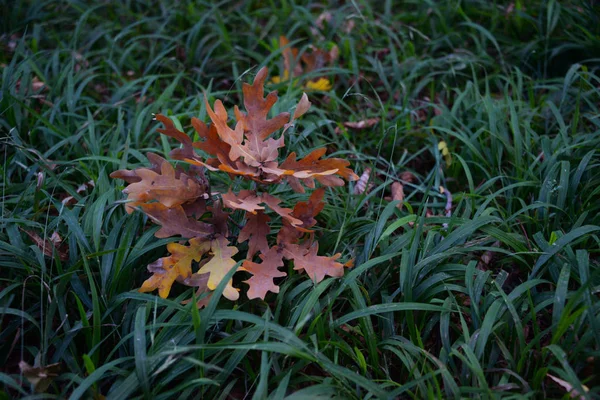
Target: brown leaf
[(312, 166), (263, 274), (364, 124), (39, 377), (307, 211), (247, 200), (256, 229), (398, 193), (166, 188), (255, 124), (573, 393), (174, 221), (286, 213), (49, 246), (290, 58), (169, 130), (315, 266)]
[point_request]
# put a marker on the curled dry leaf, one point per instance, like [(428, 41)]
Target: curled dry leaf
[(573, 393), (39, 377), (363, 124), (49, 246), (361, 184), (398, 193)]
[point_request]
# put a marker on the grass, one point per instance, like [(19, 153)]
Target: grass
[(497, 299)]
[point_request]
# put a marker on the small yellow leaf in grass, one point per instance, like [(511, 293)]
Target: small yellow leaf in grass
[(443, 148), (322, 84)]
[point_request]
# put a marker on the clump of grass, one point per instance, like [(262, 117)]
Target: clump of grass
[(496, 296)]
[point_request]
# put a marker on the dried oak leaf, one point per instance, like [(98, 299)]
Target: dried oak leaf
[(313, 167), (246, 200), (161, 183), (218, 266), (314, 265), (256, 230), (263, 274), (201, 282), (307, 211), (175, 221), (165, 187), (310, 61), (177, 266)]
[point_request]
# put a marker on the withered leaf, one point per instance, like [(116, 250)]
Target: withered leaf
[(39, 377), (363, 124), (263, 274), (247, 200), (317, 267), (256, 229), (361, 184), (165, 187), (49, 246), (174, 221), (169, 130), (177, 266), (398, 193), (218, 266), (286, 213)]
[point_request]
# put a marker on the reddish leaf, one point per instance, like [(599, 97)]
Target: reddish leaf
[(165, 188), (263, 274), (174, 221), (247, 200), (286, 213), (256, 229), (316, 266)]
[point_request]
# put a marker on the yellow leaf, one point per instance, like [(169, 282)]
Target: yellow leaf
[(322, 84), (443, 148), (177, 266), (218, 266)]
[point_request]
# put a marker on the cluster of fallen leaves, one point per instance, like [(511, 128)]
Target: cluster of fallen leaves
[(181, 202)]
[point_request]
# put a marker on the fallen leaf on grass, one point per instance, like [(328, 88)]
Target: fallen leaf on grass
[(364, 124), (569, 388), (398, 193), (361, 184), (48, 246), (39, 377)]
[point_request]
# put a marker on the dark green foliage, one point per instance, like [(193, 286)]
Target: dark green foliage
[(488, 302)]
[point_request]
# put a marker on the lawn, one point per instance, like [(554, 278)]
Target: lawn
[(471, 240)]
